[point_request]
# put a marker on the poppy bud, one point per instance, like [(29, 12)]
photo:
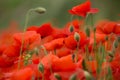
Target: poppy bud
[(41, 67), (118, 38), (57, 76), (36, 50), (87, 30), (73, 57), (88, 76), (94, 29), (106, 38), (77, 36), (73, 77), (115, 44), (111, 54), (71, 28), (40, 10)]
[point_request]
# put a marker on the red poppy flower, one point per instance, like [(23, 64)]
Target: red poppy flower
[(30, 39), (117, 29), (22, 74), (83, 9), (45, 30), (32, 28), (66, 63), (6, 61), (71, 43), (115, 67), (54, 44), (65, 75)]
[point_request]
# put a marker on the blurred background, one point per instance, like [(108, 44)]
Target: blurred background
[(57, 11)]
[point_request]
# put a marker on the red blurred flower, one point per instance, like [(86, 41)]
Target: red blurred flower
[(71, 43), (45, 30), (30, 39), (83, 9), (54, 44)]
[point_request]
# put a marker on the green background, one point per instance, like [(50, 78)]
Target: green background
[(57, 11)]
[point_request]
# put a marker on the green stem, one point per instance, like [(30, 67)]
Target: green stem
[(21, 49), (76, 54)]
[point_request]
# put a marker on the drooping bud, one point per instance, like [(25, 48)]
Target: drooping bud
[(57, 76), (41, 67), (71, 28), (73, 77), (77, 36), (40, 10), (88, 76), (87, 30)]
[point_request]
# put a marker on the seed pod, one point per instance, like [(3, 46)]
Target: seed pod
[(57, 76), (77, 36), (40, 10), (73, 77), (41, 67)]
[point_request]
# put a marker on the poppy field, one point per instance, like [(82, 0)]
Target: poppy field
[(77, 51)]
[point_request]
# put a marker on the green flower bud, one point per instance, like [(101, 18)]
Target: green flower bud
[(73, 57), (36, 50), (71, 28), (111, 54), (115, 44), (73, 77), (106, 38), (118, 38), (41, 67), (57, 76), (77, 36), (87, 30), (40, 10), (94, 29), (88, 75)]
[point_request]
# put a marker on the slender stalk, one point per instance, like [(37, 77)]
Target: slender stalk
[(21, 49)]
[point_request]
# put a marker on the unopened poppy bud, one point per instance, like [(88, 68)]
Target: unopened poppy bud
[(71, 28), (77, 36), (36, 51), (106, 38), (88, 76), (40, 10), (41, 67), (57, 76), (73, 77), (118, 38), (94, 29), (73, 57), (115, 44), (87, 30), (111, 54)]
